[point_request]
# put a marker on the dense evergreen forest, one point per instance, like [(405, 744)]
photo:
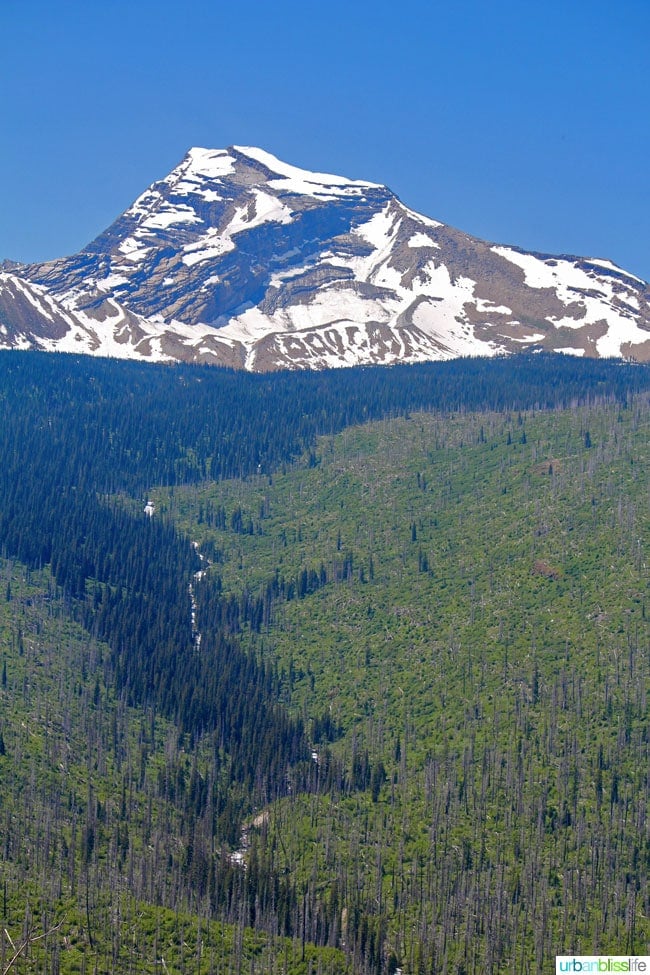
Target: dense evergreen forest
[(365, 689)]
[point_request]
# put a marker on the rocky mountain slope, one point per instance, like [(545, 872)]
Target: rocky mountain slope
[(239, 259)]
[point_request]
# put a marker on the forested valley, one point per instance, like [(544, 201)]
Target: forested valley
[(339, 672)]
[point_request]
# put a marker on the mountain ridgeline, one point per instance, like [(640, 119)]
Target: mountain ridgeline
[(238, 259), (302, 693)]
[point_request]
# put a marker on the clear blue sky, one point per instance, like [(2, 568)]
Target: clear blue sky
[(520, 122)]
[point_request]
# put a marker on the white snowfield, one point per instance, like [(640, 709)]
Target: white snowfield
[(300, 181), (598, 297), (238, 258)]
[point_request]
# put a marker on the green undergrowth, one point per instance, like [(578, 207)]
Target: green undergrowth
[(463, 608), (95, 820), (132, 936), (475, 558)]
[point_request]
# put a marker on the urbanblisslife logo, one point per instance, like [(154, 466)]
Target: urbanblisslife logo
[(602, 963)]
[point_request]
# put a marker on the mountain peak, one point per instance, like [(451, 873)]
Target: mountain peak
[(296, 176), (239, 258), (227, 164), (213, 163)]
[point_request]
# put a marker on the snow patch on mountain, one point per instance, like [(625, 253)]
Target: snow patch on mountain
[(421, 240), (489, 307), (167, 216), (600, 262), (262, 208), (213, 163), (212, 244), (133, 250)]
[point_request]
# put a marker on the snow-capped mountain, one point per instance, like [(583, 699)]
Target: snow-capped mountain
[(239, 259)]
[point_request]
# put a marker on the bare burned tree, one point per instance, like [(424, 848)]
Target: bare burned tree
[(26, 942)]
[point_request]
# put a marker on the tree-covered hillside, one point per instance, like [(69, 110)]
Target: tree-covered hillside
[(461, 602), (371, 678)]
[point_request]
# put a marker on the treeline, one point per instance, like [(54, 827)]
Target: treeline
[(123, 426)]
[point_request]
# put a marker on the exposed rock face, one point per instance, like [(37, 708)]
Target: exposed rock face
[(239, 259)]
